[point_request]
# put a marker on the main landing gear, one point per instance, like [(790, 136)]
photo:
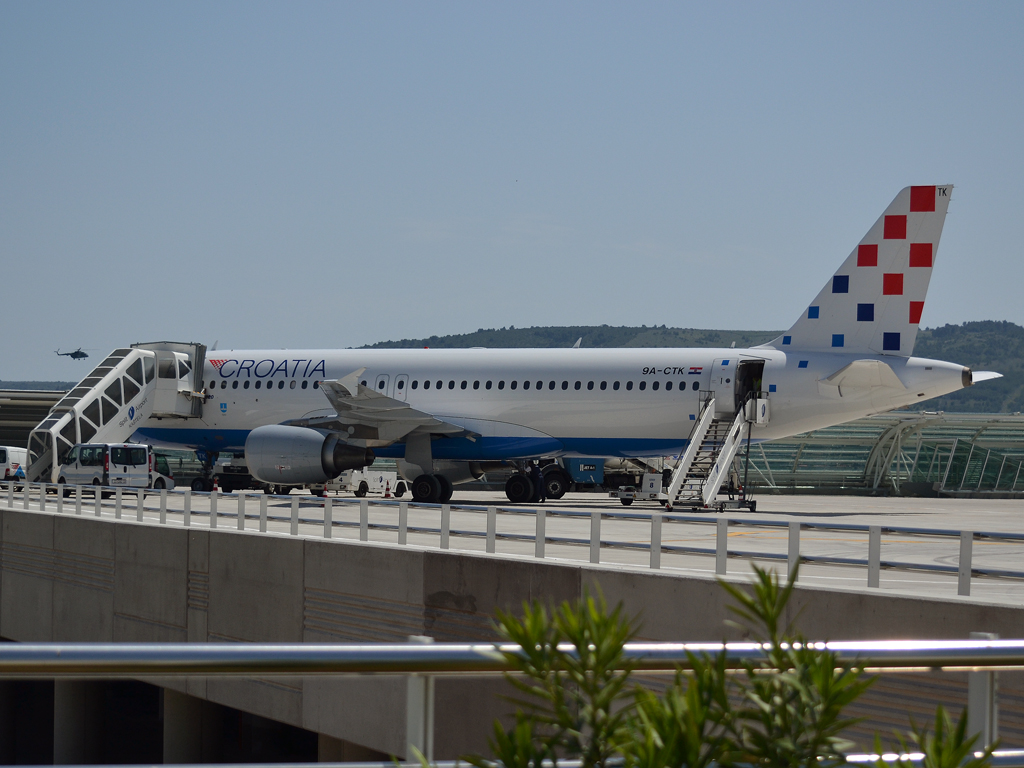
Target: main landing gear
[(431, 489), (520, 487)]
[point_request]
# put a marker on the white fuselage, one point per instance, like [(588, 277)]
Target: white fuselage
[(591, 402)]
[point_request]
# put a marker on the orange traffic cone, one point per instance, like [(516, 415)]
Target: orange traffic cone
[(387, 489), (216, 483)]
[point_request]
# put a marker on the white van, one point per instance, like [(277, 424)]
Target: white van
[(126, 465), (12, 462)]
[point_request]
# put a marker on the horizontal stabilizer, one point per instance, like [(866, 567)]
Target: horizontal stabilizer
[(977, 376)]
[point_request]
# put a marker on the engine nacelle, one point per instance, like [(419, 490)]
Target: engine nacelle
[(299, 456)]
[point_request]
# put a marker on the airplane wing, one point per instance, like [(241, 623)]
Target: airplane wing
[(371, 419)]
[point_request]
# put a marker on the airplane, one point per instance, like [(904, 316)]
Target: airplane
[(448, 415), (78, 354)]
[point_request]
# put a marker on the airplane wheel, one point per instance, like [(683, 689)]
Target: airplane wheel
[(426, 489), (556, 483), (519, 489), (447, 489)]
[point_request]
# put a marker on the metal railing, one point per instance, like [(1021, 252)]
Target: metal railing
[(222, 508), (169, 659), (423, 660)]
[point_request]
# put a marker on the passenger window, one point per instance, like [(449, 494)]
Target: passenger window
[(464, 383), (92, 412), (604, 385), (654, 386), (615, 386), (426, 384), (488, 385), (85, 429), (291, 384), (135, 371), (68, 433), (245, 385), (109, 410), (213, 384), (305, 383), (114, 392), (316, 385), (401, 384), (643, 385), (439, 384), (590, 385), (280, 384), (415, 384), (578, 384), (234, 384), (258, 383), (526, 385), (501, 385), (363, 382), (513, 385), (224, 384), (131, 389), (696, 386), (668, 386), (476, 385), (629, 385), (540, 385), (451, 384), (565, 385), (551, 385)]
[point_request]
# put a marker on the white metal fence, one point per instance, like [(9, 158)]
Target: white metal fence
[(580, 534)]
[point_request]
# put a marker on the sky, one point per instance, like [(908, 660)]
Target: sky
[(313, 174)]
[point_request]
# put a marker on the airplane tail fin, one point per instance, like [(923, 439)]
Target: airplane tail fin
[(873, 303)]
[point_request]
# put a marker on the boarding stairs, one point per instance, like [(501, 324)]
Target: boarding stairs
[(705, 464), (161, 379)]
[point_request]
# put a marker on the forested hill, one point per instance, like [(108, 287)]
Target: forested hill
[(593, 336), (984, 346)]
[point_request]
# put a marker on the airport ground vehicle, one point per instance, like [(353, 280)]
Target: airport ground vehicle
[(363, 482), (125, 465), (12, 461), (651, 489)]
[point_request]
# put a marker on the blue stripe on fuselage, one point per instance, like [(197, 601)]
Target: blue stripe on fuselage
[(451, 448)]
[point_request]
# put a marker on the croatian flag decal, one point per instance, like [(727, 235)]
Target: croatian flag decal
[(696, 370)]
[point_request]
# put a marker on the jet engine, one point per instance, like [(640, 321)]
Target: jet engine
[(283, 455)]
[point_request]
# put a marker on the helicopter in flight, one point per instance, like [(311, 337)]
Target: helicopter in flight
[(78, 354)]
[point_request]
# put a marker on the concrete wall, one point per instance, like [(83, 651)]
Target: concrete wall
[(82, 578)]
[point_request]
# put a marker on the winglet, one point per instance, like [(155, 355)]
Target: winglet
[(351, 382), (578, 342)]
